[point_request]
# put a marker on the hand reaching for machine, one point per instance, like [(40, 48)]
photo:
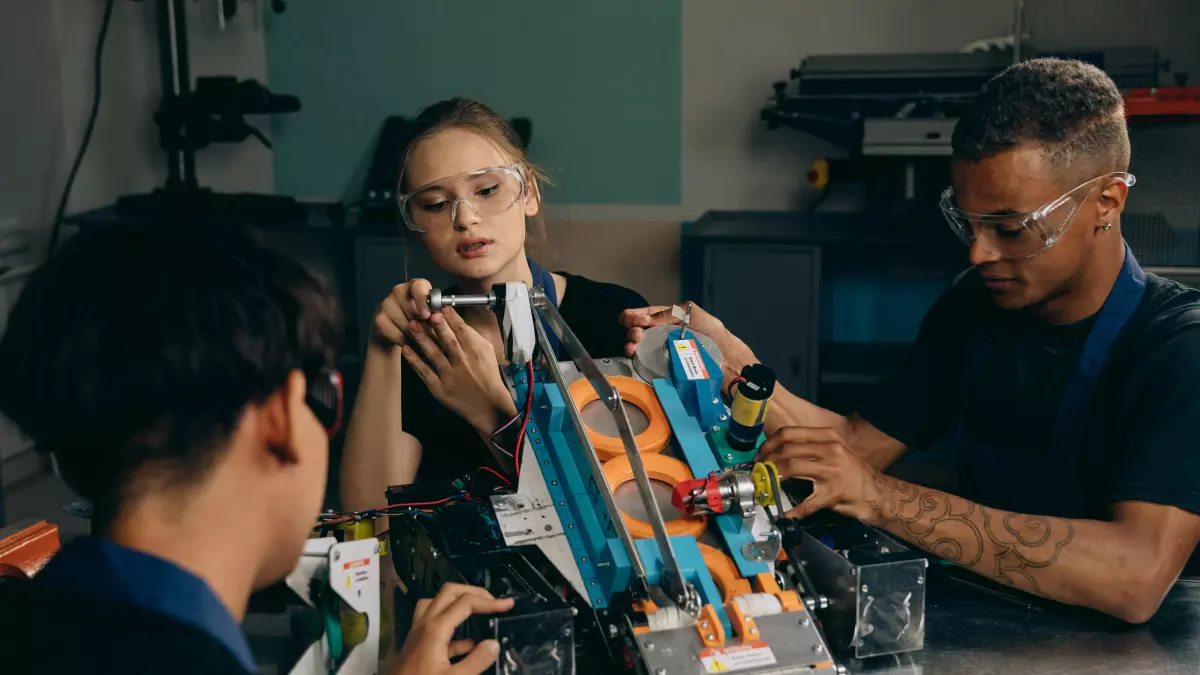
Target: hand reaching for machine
[(841, 480), (428, 648), (460, 369), (638, 320), (406, 303)]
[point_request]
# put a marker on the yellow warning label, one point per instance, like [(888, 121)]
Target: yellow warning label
[(717, 667)]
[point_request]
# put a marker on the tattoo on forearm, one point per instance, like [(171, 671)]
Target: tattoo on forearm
[(1005, 546)]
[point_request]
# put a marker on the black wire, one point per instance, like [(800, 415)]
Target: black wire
[(91, 123)]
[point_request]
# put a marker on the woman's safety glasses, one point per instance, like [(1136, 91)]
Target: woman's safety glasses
[(487, 192), (1023, 235)]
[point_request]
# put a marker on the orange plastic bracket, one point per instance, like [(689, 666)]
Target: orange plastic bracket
[(729, 581), (743, 624), (712, 632), (766, 584)]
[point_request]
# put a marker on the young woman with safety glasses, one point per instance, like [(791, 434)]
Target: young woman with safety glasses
[(432, 394)]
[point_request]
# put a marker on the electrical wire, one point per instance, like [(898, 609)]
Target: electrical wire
[(98, 64), (525, 422), (733, 383)]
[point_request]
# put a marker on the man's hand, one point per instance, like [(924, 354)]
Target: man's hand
[(428, 649), (841, 480), (638, 320)]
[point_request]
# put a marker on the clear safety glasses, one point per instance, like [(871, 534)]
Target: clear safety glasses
[(487, 192), (1023, 235)]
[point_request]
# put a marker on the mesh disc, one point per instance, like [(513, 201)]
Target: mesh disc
[(652, 360)]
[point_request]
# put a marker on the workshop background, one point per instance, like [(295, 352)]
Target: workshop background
[(653, 118)]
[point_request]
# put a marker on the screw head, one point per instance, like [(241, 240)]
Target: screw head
[(864, 588), (804, 621), (548, 528), (715, 428), (716, 400), (661, 671), (728, 456), (817, 649), (566, 632), (711, 636), (704, 624), (920, 581), (722, 417), (649, 645), (612, 630)]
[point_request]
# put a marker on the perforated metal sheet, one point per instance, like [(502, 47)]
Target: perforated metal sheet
[(652, 361)]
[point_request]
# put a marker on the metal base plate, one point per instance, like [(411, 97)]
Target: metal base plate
[(790, 644)]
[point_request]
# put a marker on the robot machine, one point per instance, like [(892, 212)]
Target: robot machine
[(659, 548)]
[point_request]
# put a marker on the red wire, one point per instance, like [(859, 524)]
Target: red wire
[(525, 422), (497, 474), (433, 503)]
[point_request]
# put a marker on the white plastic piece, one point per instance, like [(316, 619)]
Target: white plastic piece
[(668, 618), (759, 604), (518, 322)]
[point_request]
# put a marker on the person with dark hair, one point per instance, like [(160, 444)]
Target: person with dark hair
[(1065, 379), (432, 394), (183, 379)]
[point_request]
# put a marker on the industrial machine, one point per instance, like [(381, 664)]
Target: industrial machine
[(603, 582)]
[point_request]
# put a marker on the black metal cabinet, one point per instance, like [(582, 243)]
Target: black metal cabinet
[(768, 295), (762, 274)]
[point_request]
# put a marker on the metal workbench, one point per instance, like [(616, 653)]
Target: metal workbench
[(967, 632)]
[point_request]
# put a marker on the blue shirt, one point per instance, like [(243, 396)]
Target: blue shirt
[(100, 569)]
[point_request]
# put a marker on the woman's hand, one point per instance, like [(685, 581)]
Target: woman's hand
[(460, 369), (406, 303)]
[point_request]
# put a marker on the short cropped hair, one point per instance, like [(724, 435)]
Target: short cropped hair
[(1072, 109), (138, 347)]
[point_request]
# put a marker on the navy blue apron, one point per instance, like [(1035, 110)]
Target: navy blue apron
[(1046, 482), (545, 280)]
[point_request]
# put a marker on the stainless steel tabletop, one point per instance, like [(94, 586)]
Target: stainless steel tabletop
[(968, 632)]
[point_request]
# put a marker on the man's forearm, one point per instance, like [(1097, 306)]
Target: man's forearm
[(1079, 562)]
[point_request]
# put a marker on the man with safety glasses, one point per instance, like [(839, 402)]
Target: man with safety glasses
[(184, 380), (1064, 378)]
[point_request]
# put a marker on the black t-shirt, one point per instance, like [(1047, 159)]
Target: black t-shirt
[(450, 446), (1140, 440)]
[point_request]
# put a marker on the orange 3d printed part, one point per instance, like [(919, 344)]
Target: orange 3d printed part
[(660, 468), (636, 393)]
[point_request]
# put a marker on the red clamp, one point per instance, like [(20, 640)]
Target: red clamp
[(699, 495)]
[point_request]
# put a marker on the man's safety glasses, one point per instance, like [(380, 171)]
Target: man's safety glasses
[(324, 397), (1023, 235), (487, 192)]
